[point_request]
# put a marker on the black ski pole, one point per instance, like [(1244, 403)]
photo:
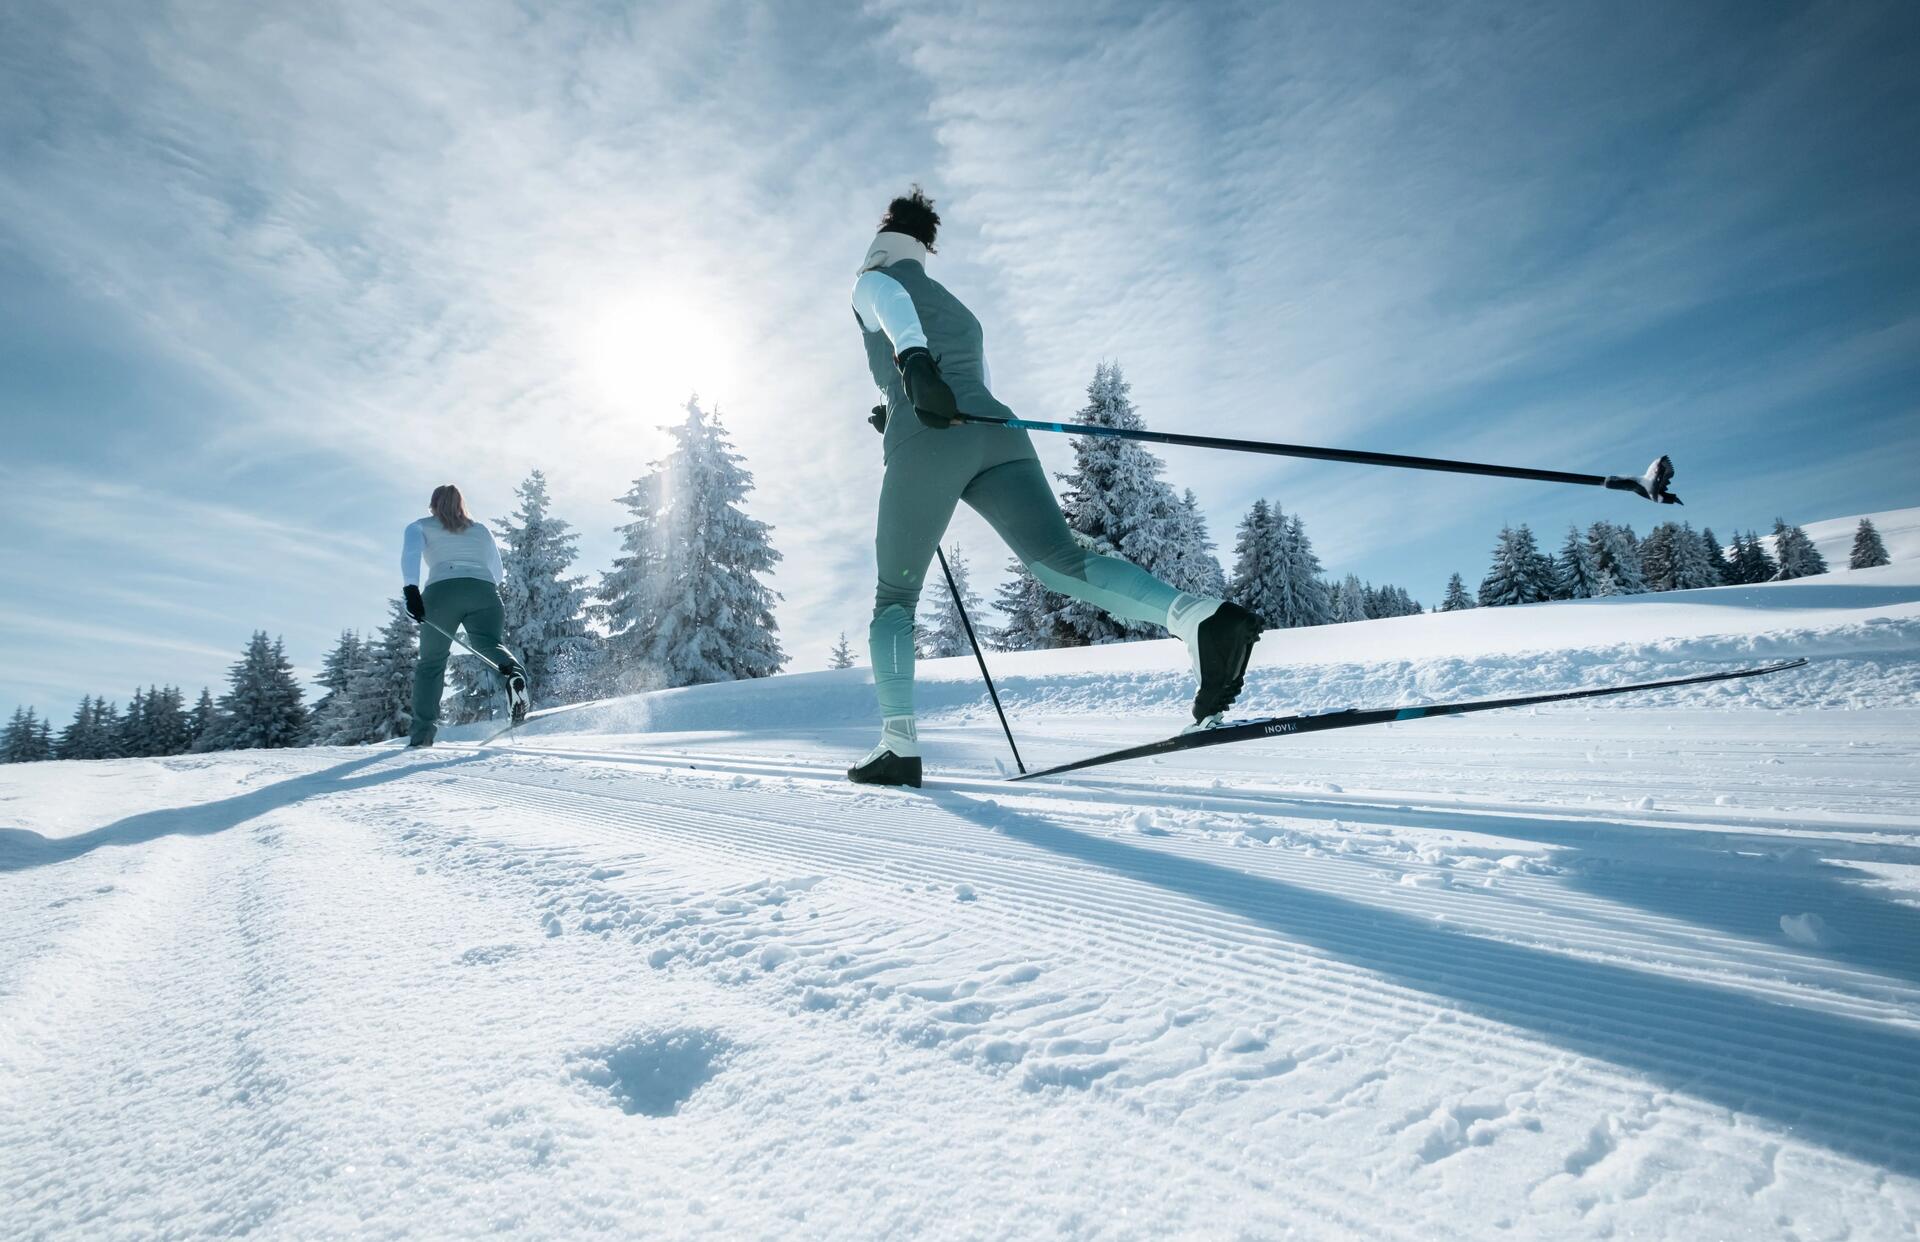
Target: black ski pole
[(455, 638), (967, 623), (1652, 485)]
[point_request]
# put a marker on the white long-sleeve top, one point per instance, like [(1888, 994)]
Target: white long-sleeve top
[(884, 305), (469, 554)]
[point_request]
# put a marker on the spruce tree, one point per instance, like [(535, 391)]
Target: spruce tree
[(1797, 556), (1024, 604), (1353, 600), (842, 655), (1576, 572), (1617, 554), (943, 633), (1868, 550), (1300, 595), (337, 670), (1253, 554), (1520, 574), (378, 702), (1691, 567), (1756, 564), (167, 722), (1115, 498), (685, 603), (546, 607), (1656, 556), (1456, 596), (130, 731), (1193, 565), (17, 742), (262, 707), (203, 721), (1716, 558)]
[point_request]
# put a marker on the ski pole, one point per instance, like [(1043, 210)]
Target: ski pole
[(1652, 485), (967, 623)]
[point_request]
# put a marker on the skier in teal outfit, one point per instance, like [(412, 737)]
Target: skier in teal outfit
[(927, 354), (463, 589)]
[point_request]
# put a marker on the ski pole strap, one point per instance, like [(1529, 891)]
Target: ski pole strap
[(1356, 456)]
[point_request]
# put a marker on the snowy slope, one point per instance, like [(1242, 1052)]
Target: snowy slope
[(1646, 969), (1833, 537)]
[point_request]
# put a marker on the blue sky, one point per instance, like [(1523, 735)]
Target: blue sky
[(268, 273)]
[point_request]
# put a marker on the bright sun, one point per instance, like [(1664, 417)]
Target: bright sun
[(644, 353)]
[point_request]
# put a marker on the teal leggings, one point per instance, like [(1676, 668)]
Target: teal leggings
[(996, 472), (452, 603)]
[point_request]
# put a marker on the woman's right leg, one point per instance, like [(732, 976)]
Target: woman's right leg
[(1016, 501)]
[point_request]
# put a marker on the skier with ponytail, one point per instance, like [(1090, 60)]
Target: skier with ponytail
[(925, 350), (463, 589)]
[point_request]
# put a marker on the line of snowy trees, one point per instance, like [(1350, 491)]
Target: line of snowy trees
[(685, 602), (1609, 559), (1117, 502)]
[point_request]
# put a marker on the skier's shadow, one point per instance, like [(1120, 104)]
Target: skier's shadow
[(22, 849), (1848, 1085)]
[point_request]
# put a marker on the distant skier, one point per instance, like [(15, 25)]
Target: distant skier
[(926, 354), (463, 589)]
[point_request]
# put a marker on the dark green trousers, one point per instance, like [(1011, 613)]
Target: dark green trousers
[(453, 603)]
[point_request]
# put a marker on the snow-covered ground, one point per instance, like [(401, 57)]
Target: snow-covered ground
[(1643, 967)]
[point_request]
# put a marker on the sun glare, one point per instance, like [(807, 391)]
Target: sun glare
[(645, 353)]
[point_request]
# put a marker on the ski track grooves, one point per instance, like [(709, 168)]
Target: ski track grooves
[(1701, 1037)]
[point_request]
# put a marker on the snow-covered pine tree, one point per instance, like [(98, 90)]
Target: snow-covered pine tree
[(130, 739), (1757, 564), (378, 703), (1193, 566), (337, 671), (1797, 556), (262, 708), (1656, 556), (202, 720), (1691, 569), (1253, 554), (1576, 572), (842, 654), (1520, 573), (1352, 605), (943, 633), (77, 740), (168, 721), (1115, 498), (1868, 549), (1456, 596), (1298, 595), (1716, 557), (17, 742), (546, 607), (1027, 610), (684, 603), (1617, 553)]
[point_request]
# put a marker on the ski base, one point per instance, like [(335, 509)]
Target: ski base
[(1354, 717)]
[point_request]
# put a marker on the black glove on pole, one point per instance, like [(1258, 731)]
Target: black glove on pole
[(416, 607), (932, 399)]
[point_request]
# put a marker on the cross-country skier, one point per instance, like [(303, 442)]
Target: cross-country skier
[(925, 350), (463, 589)]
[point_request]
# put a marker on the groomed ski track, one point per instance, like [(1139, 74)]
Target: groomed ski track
[(1598, 970)]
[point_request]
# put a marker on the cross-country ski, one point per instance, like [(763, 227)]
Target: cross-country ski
[(891, 621), (1273, 727)]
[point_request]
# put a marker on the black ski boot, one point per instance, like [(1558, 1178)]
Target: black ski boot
[(1226, 642), (516, 695), (883, 767)]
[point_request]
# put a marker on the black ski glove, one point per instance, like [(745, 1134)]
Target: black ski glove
[(878, 419), (416, 607), (932, 399)]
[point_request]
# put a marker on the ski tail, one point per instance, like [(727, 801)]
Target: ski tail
[(1354, 717)]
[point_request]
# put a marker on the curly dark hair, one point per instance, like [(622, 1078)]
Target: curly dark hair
[(913, 215)]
